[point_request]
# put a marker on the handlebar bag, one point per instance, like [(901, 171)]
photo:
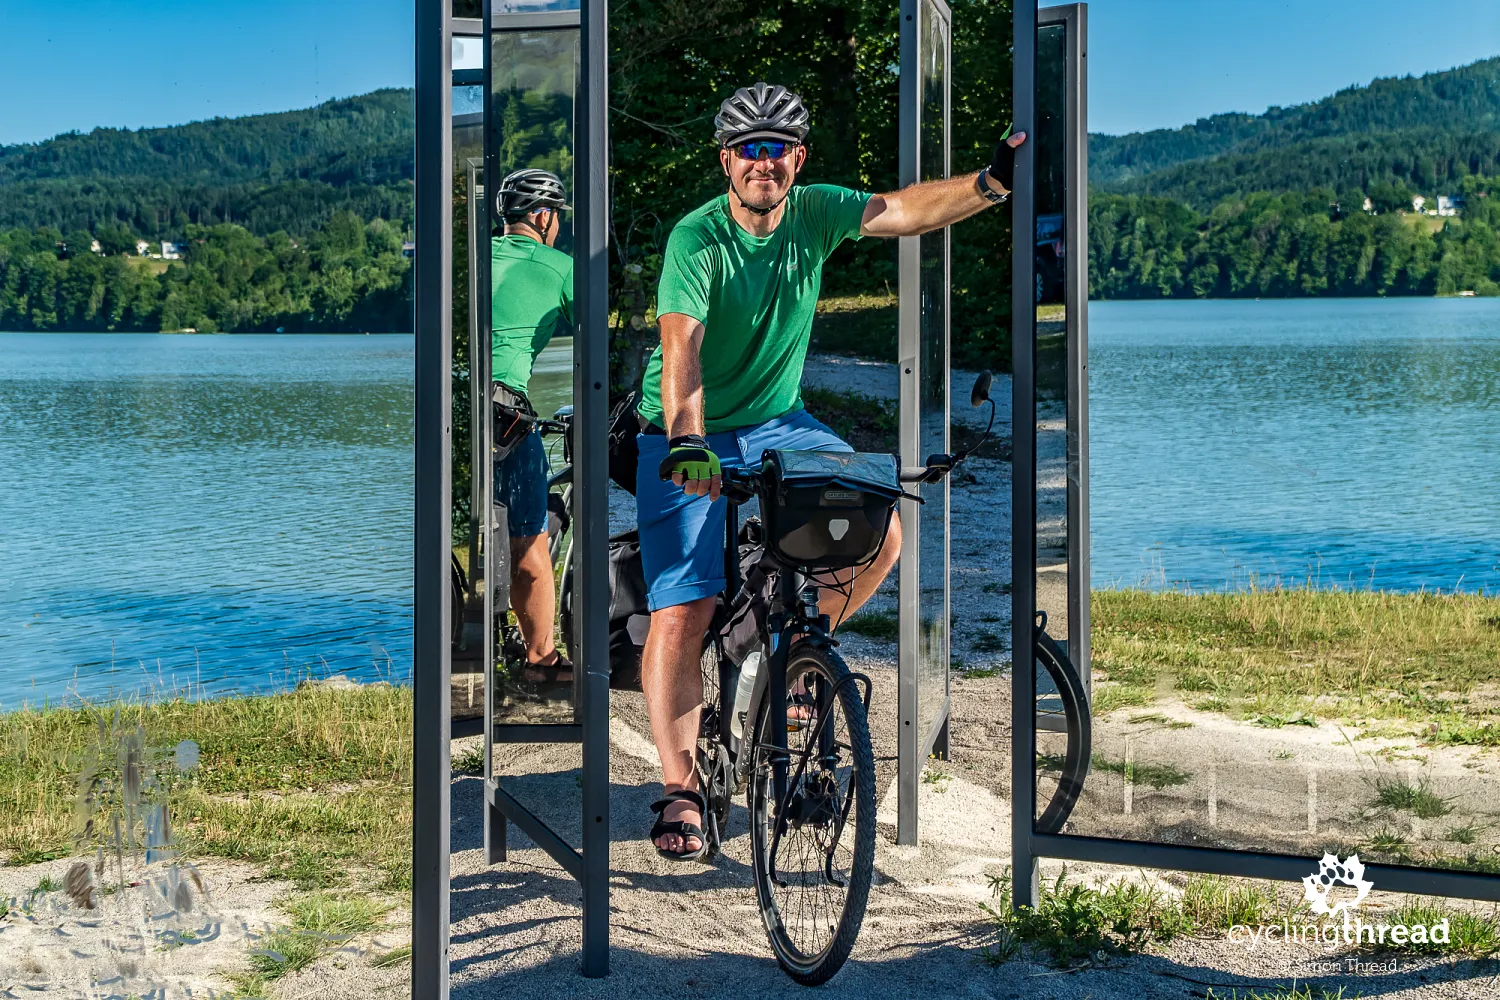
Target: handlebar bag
[(827, 510)]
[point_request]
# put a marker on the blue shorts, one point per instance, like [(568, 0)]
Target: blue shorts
[(521, 485), (682, 537)]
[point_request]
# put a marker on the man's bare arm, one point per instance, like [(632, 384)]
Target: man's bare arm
[(921, 208), (681, 374), (682, 390)]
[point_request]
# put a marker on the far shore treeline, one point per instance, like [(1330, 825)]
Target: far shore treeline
[(347, 276)]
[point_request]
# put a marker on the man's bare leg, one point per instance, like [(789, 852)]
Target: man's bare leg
[(533, 596), (672, 681)]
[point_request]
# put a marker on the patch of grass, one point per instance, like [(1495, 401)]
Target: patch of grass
[(311, 783), (995, 587), (47, 884), (990, 619), (1277, 653), (867, 423), (319, 923), (978, 673), (1217, 903), (1277, 721), (1470, 935), (1109, 696), (1073, 924), (1293, 992), (1466, 834), (1455, 730), (876, 624), (859, 325), (1417, 799), (938, 779), (469, 760), (393, 957), (1145, 717), (986, 641), (1141, 772), (1388, 843)]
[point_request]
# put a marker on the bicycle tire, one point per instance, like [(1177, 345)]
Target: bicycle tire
[(1075, 766), (814, 968)]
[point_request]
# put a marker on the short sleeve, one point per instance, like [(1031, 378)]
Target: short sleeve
[(686, 276), (834, 214)]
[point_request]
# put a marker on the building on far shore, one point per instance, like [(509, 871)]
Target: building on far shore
[(1417, 201), (1449, 204), (142, 248), (172, 251)]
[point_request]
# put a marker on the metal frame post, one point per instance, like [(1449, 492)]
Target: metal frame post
[(909, 360), (591, 460), (914, 741), (1024, 872), (431, 665), (1075, 19)]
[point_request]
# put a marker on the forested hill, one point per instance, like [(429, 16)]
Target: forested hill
[(287, 171), (1418, 129)]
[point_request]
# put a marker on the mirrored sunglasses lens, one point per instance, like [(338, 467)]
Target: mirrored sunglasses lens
[(754, 150)]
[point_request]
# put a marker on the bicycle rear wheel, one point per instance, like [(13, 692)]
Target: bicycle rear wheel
[(1064, 733), (814, 857)]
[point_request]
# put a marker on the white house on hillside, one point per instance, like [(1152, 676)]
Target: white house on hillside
[(1449, 204)]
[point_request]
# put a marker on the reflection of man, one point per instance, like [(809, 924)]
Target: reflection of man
[(532, 299), (738, 288)]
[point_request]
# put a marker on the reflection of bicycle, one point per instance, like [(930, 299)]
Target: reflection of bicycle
[(783, 716), (1062, 710)]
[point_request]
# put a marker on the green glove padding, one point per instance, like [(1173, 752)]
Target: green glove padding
[(690, 456)]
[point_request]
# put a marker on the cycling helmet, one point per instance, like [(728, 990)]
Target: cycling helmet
[(761, 112), (526, 191)]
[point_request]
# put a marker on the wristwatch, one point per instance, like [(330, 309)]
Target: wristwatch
[(984, 189)]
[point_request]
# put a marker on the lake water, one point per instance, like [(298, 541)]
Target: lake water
[(234, 512), (1345, 442), (226, 511)]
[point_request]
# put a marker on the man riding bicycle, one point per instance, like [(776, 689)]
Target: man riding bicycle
[(531, 301), (739, 286)]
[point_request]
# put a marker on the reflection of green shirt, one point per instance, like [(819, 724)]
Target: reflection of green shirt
[(531, 287), (755, 297)]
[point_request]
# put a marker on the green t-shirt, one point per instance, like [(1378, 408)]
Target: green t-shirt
[(531, 300), (755, 297)]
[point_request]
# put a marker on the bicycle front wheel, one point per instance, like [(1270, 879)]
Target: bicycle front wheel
[(813, 851)]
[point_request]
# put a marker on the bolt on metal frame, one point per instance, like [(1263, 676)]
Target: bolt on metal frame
[(1027, 845)]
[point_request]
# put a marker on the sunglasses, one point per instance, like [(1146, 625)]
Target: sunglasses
[(763, 148)]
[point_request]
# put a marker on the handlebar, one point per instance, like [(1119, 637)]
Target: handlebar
[(545, 427)]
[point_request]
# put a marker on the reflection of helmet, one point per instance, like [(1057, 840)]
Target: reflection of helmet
[(525, 191), (761, 112)]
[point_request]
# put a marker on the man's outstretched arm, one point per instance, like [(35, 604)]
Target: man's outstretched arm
[(922, 208)]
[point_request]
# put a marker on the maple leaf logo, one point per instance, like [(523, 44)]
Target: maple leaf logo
[(1331, 872)]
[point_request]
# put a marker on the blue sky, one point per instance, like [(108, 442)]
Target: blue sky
[(162, 62), (1165, 63), (1153, 63)]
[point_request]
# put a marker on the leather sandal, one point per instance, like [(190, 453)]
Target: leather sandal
[(683, 829)]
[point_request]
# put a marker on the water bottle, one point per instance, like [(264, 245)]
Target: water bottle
[(742, 692)]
